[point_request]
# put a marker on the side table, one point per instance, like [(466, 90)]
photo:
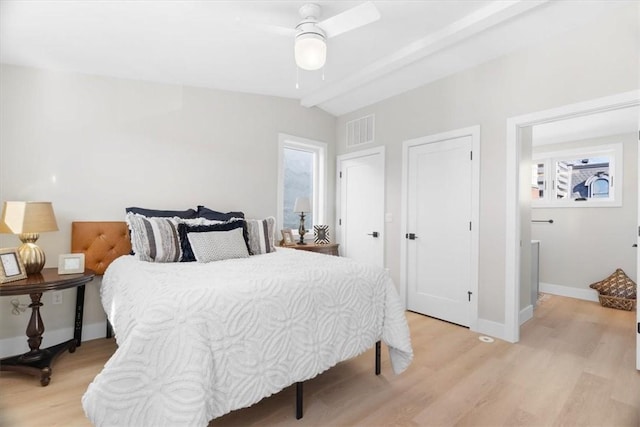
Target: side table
[(329, 248), (38, 361)]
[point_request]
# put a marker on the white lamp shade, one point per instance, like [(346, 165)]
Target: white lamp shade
[(27, 217), (302, 205), (310, 51)]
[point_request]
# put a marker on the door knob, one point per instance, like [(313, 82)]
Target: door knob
[(411, 236), (374, 234), (635, 245)]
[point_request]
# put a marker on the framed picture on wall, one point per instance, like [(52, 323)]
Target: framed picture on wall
[(11, 267)]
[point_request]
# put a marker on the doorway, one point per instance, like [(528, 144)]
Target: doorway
[(518, 129), (439, 254)]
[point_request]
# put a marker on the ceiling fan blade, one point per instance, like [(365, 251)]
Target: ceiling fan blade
[(265, 28), (351, 19), (281, 31)]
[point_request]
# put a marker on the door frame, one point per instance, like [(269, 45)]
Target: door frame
[(638, 261), (474, 133), (515, 126), (356, 155)]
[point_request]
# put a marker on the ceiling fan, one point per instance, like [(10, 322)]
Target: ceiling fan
[(311, 35)]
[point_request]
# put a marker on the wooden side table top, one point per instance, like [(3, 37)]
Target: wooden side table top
[(47, 280), (327, 248)]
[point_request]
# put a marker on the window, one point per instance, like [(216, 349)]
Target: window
[(301, 172), (578, 178), (598, 186), (537, 180)]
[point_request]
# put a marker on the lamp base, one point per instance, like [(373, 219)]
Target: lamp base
[(31, 255), (301, 230)]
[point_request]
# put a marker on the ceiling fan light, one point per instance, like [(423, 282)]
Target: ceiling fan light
[(310, 51)]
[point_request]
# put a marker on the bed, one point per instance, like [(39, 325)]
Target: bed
[(198, 340)]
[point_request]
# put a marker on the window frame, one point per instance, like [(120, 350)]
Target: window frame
[(319, 199), (615, 176)]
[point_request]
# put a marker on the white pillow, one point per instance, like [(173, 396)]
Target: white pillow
[(218, 245), (196, 221)]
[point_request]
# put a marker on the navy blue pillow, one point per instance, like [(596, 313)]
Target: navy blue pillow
[(183, 229), (188, 214), (207, 213)]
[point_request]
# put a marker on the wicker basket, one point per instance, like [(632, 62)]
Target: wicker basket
[(617, 302), (617, 291)]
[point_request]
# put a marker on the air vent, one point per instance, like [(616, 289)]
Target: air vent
[(360, 131)]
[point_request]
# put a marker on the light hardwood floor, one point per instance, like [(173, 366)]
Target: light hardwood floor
[(574, 366)]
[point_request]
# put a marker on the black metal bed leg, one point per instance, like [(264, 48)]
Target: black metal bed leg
[(298, 400), (378, 358), (109, 333)]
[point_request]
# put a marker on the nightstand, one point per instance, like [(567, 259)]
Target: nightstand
[(329, 248), (38, 361)]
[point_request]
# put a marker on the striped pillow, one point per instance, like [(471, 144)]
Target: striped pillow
[(261, 235), (154, 239)]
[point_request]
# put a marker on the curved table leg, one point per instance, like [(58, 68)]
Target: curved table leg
[(35, 329), (37, 361)]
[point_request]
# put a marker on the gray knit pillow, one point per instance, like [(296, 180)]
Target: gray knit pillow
[(218, 245)]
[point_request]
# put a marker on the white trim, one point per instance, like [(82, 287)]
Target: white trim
[(355, 155), (474, 133), (18, 345), (512, 179), (491, 328), (362, 153), (319, 202), (569, 291), (526, 314)]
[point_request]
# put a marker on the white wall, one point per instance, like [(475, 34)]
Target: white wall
[(95, 145), (597, 60), (584, 245)]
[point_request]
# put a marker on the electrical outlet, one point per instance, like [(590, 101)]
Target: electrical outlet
[(56, 297)]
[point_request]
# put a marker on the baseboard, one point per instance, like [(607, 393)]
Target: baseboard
[(526, 314), (490, 328), (18, 345), (568, 291)]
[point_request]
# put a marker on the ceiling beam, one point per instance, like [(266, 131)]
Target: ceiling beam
[(489, 16)]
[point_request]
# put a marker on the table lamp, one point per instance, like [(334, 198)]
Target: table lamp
[(301, 206), (27, 220)]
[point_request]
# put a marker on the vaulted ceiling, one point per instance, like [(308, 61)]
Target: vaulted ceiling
[(236, 45)]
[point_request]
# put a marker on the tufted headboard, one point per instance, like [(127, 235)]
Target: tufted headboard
[(100, 241)]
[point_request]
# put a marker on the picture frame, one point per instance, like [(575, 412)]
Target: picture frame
[(287, 237), (71, 264), (321, 234), (11, 266)]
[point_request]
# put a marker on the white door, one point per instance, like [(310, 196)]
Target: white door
[(361, 210), (439, 231)]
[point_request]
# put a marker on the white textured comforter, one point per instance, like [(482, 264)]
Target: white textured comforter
[(196, 341)]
